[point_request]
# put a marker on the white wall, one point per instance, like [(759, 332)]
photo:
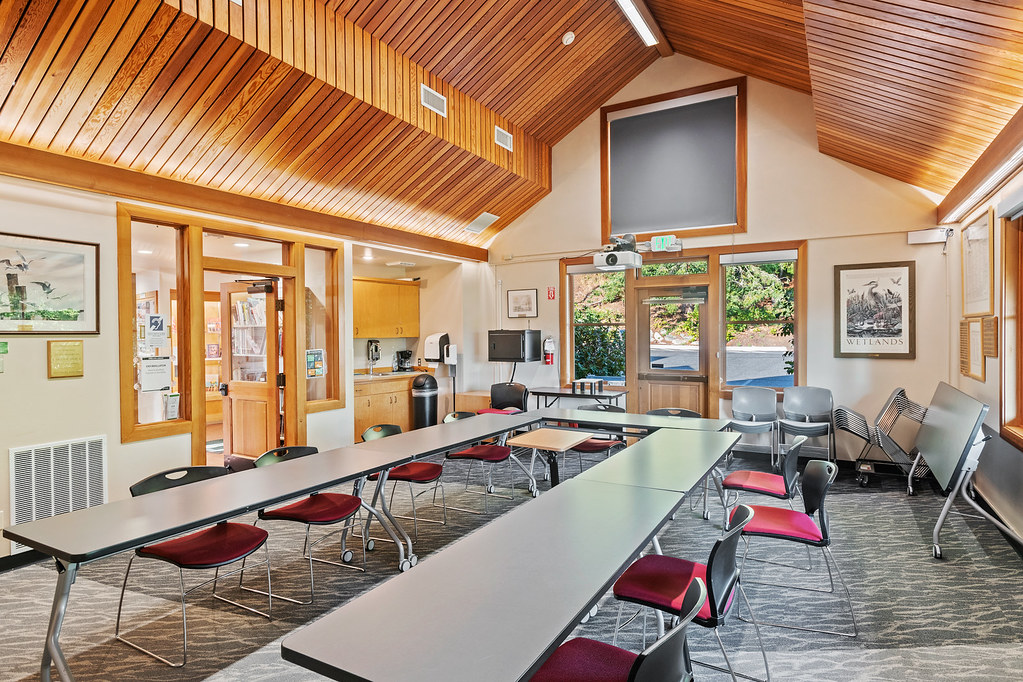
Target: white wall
[(848, 214)]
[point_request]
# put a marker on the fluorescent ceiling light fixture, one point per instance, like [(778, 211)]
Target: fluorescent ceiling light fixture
[(144, 252), (241, 245), (638, 23), (367, 255)]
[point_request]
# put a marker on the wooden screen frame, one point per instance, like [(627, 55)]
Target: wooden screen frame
[(1010, 359), (740, 160)]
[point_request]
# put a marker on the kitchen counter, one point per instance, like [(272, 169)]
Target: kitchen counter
[(362, 376)]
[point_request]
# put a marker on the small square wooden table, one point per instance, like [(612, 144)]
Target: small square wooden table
[(548, 443)]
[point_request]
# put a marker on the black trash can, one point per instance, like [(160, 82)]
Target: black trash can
[(424, 401)]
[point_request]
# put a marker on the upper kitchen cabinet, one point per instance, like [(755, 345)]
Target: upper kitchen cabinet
[(385, 308)]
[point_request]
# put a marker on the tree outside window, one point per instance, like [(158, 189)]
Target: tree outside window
[(759, 324), (598, 325)]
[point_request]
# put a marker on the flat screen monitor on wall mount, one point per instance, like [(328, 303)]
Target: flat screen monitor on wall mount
[(513, 345)]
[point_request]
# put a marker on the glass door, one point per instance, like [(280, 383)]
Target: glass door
[(250, 364)]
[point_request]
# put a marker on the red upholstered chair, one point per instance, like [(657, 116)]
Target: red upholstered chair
[(599, 445), (661, 582), (585, 660), (319, 509), (211, 547), (486, 454), (783, 486), (413, 472), (800, 527)]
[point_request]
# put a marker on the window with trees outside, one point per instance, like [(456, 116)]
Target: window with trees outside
[(760, 309), (598, 325)]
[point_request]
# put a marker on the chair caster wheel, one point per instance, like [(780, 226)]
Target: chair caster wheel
[(546, 476), (706, 516), (404, 565), (370, 545), (593, 611), (347, 556), (863, 479), (491, 489), (585, 619), (414, 559), (936, 551), (531, 487), (535, 492), (910, 491)]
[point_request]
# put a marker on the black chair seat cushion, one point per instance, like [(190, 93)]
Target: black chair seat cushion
[(586, 660), (323, 508), (208, 548), (661, 582), (417, 472), (487, 453), (595, 445)]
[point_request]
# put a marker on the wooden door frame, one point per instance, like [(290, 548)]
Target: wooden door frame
[(294, 400), (635, 288)]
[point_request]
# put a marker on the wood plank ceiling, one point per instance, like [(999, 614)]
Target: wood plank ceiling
[(315, 104)]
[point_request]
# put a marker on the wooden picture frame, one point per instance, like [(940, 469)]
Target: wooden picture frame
[(975, 349), (875, 310), (51, 286), (989, 332), (978, 257), (522, 303)]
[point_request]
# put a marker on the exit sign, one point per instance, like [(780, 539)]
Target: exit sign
[(662, 243)]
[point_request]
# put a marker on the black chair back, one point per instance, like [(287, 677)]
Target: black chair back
[(455, 416), (722, 567), (509, 394), (284, 454), (790, 465), (172, 478), (668, 657), (380, 431), (818, 476), (600, 407), (675, 412)]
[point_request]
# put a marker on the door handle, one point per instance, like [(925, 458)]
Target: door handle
[(223, 389)]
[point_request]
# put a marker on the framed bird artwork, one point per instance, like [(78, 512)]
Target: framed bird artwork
[(49, 286), (875, 310)]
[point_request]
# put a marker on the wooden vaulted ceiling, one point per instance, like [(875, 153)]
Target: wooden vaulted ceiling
[(314, 104), (911, 89)]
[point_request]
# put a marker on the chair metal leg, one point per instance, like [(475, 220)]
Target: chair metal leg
[(829, 558), (241, 577), (269, 587), (346, 554)]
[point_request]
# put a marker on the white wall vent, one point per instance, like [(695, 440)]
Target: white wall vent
[(433, 100), (503, 138), (57, 478), (483, 222)]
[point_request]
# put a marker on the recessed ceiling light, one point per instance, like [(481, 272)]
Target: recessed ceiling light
[(144, 252), (241, 245), (568, 38)]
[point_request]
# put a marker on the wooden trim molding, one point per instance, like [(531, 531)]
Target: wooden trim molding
[(65, 171)]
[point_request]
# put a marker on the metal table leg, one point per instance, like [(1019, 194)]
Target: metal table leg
[(403, 563), (66, 573)]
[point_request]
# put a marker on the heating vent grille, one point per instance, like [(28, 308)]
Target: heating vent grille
[(503, 138), (57, 478), (433, 100)]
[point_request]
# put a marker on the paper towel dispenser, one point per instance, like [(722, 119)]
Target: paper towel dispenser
[(433, 349)]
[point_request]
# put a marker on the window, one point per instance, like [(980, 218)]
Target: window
[(1012, 332), (760, 310), (675, 163), (685, 267), (598, 326)]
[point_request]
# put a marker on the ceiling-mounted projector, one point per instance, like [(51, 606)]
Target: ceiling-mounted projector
[(617, 260)]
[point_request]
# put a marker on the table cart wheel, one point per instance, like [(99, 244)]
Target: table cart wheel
[(347, 556)]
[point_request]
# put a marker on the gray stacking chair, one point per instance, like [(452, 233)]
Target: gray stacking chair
[(808, 412), (755, 410)]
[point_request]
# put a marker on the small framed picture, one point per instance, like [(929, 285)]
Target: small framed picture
[(522, 303)]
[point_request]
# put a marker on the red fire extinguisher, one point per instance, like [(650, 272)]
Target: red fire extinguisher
[(548, 350)]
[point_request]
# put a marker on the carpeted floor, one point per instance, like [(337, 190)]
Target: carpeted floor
[(919, 619)]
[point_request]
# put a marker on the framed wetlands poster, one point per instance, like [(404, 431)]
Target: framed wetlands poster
[(875, 310)]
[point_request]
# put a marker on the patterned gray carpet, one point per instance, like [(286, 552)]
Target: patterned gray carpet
[(919, 619)]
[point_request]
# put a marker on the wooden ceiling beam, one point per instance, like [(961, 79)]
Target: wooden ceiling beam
[(998, 154), (56, 169)]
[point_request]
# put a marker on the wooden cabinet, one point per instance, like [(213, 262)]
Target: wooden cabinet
[(385, 309), (382, 401)]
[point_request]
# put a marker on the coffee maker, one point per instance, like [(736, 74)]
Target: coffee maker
[(404, 361)]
